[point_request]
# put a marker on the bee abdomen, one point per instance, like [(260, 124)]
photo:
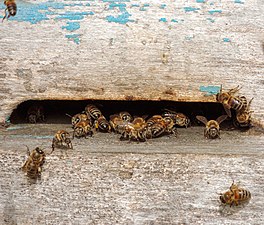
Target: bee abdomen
[(244, 194)]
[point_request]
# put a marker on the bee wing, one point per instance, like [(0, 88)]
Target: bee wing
[(220, 119), (202, 119)]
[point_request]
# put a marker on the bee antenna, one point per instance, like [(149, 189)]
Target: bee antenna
[(68, 115)]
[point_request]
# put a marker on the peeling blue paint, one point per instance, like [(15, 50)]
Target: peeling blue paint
[(239, 1), (211, 20), (74, 37), (121, 6), (215, 11), (72, 26), (226, 40), (191, 9), (200, 1), (163, 6), (174, 21), (163, 20), (74, 15), (135, 5), (210, 90), (122, 19)]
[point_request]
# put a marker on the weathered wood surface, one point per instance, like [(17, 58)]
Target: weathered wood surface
[(131, 50), (105, 181)]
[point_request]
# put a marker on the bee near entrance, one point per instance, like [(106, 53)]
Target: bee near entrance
[(59, 111)]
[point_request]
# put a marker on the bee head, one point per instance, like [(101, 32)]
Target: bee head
[(40, 151)]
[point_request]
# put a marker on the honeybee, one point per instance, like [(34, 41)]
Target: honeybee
[(82, 129), (102, 124), (235, 195), (126, 116), (93, 111), (136, 130), (238, 103), (179, 119), (36, 114), (117, 123), (154, 119), (79, 117), (33, 165), (243, 118), (11, 7), (61, 139), (212, 127)]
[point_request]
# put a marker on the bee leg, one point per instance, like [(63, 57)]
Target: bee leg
[(4, 15)]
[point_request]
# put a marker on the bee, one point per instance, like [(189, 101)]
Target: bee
[(61, 139), (126, 116), (243, 118), (36, 114), (33, 165), (102, 124), (136, 130), (179, 119), (170, 126), (93, 111), (238, 103), (117, 123), (82, 129), (235, 195), (154, 119), (11, 7), (79, 117), (212, 127)]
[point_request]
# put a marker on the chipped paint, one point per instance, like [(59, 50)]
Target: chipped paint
[(191, 9), (74, 37), (239, 2), (163, 20), (210, 90), (72, 26), (211, 20), (226, 40), (215, 11), (200, 1), (162, 6), (174, 21)]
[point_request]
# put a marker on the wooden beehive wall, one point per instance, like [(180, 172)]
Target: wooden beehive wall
[(128, 50)]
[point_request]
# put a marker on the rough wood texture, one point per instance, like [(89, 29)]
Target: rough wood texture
[(131, 50), (105, 181)]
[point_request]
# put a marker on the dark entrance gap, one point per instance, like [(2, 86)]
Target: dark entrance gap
[(55, 110)]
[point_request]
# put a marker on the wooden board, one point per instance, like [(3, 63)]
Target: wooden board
[(127, 50)]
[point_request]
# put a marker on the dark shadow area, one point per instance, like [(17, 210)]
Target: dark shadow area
[(55, 110)]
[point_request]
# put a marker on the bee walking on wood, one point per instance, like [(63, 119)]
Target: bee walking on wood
[(243, 118), (235, 195), (61, 139), (179, 119), (33, 165), (212, 127), (82, 129), (79, 117), (229, 101), (11, 8), (102, 124), (117, 123)]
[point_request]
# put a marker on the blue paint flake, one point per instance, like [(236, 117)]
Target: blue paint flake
[(163, 20), (72, 26), (74, 15), (163, 6), (74, 37), (191, 9), (174, 21), (215, 11), (211, 20), (226, 40), (122, 19), (135, 5), (239, 2), (210, 90), (200, 1)]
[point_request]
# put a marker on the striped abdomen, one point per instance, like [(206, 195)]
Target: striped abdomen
[(93, 111)]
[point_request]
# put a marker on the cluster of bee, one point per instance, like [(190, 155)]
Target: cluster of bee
[(11, 9), (239, 104)]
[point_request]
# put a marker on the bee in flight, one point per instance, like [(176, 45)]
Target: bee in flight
[(33, 165), (212, 127), (235, 195), (11, 8)]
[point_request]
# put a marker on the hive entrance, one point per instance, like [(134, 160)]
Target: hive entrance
[(56, 110)]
